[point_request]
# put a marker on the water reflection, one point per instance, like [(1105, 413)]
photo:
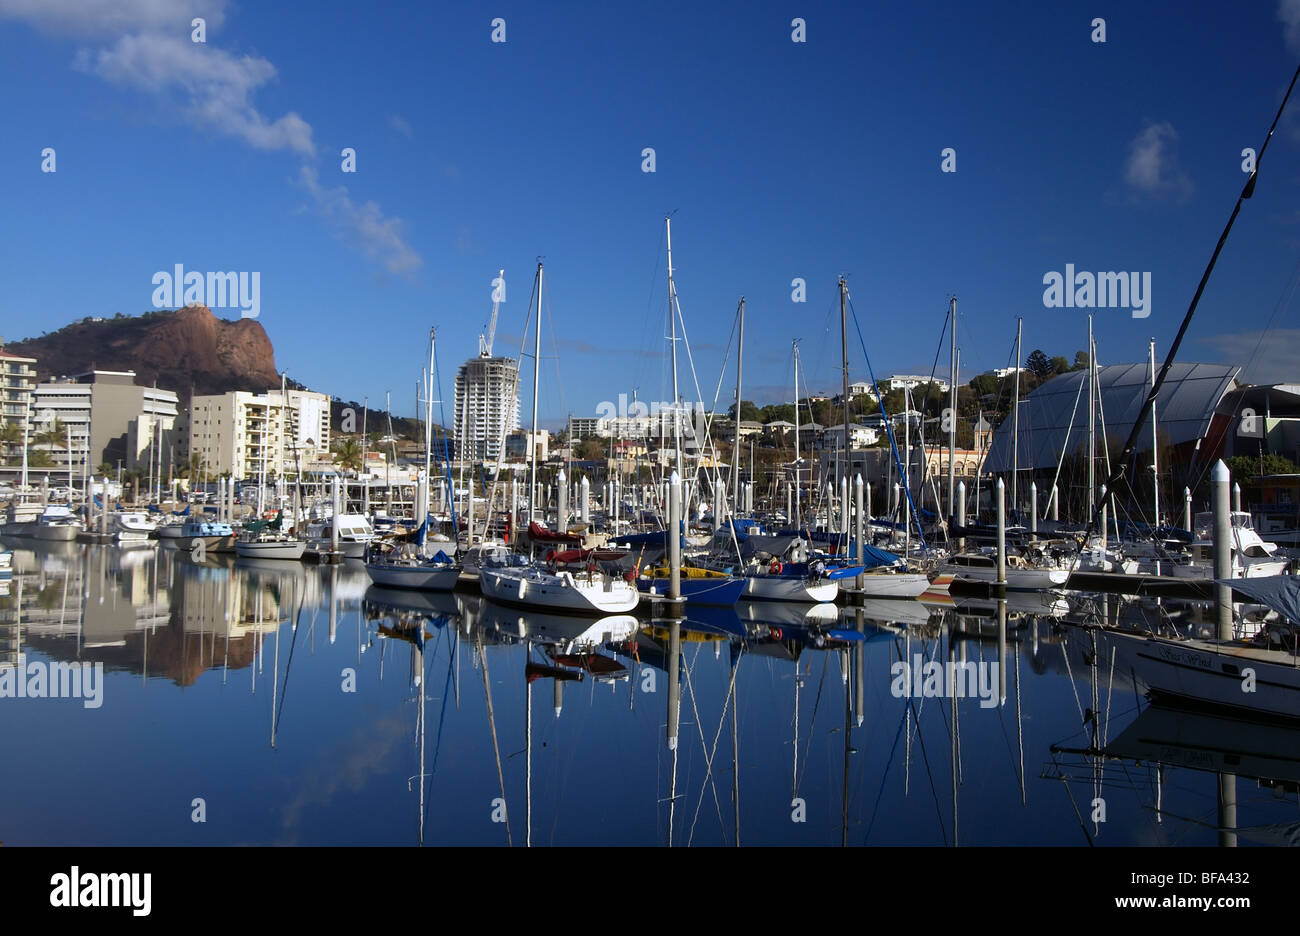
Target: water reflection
[(310, 706)]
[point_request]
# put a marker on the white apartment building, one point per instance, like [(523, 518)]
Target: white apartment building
[(486, 406), (245, 434), (17, 380), (912, 381)]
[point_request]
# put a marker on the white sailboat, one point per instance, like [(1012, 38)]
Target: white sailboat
[(592, 592)]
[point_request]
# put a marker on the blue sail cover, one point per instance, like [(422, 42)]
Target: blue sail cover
[(874, 557), (1279, 592)]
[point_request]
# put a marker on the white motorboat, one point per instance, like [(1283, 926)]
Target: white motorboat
[(1252, 557), (132, 526), (355, 536), (583, 593), (55, 522)]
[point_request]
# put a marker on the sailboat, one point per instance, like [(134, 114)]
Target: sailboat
[(534, 585), (405, 565)]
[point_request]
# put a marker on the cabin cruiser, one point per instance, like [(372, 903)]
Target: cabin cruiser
[(48, 522), (355, 536), (132, 526), (215, 535), (1252, 557)]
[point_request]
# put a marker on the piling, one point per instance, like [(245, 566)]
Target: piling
[(1220, 479), (675, 538), (561, 502), (1000, 586)]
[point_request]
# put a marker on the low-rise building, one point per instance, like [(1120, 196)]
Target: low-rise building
[(105, 418)]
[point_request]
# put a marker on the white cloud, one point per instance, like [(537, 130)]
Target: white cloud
[(1288, 11), (214, 87), (1152, 168), (145, 45), (378, 237), (400, 124), (1266, 357), (91, 19)]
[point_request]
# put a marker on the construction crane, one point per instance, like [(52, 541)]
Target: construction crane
[(498, 296)]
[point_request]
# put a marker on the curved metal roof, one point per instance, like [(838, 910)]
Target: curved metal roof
[(1187, 402)]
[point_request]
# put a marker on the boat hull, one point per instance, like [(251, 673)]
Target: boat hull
[(1017, 579), (724, 591), (287, 551), (562, 592), (789, 588), (1201, 673), (892, 584), (422, 577)]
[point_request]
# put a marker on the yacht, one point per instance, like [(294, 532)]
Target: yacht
[(1252, 557), (46, 522), (355, 536), (132, 526)]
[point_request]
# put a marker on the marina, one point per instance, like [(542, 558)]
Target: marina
[(704, 428), (236, 667)]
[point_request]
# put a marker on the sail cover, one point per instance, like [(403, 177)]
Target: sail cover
[(1279, 592)]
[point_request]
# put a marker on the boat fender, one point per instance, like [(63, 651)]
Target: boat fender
[(523, 587)]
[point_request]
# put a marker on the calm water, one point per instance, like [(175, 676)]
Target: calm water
[(297, 703)]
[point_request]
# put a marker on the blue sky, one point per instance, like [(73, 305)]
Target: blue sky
[(780, 159)]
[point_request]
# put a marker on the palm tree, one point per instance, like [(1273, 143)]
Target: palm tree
[(11, 434), (347, 455), (191, 470), (55, 436)]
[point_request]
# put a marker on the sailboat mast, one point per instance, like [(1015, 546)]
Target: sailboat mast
[(797, 489), (1015, 429), (844, 358), (1155, 444), (735, 448), (672, 321), (952, 408), (1092, 425), (537, 364)]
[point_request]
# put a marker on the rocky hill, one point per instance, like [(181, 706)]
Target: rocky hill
[(189, 350)]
